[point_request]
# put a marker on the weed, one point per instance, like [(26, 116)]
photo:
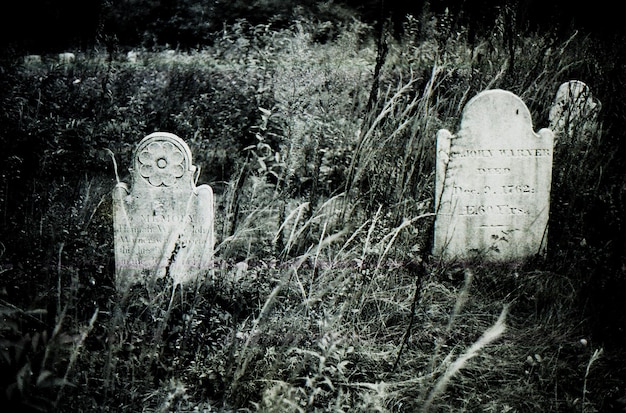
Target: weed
[(324, 296)]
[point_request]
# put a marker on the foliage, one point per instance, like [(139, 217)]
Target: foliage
[(318, 139)]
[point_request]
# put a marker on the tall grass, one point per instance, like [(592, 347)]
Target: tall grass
[(324, 295)]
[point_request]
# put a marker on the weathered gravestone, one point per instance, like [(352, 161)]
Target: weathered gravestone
[(493, 179), (574, 113), (163, 224)]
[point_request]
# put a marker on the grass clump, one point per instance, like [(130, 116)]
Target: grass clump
[(324, 295)]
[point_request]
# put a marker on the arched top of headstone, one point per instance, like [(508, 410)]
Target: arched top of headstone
[(574, 112), (494, 114), (163, 159), (571, 91)]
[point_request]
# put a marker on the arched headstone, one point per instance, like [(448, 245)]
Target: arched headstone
[(163, 224), (574, 113), (493, 182)]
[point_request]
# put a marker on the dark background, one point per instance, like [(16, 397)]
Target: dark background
[(40, 26)]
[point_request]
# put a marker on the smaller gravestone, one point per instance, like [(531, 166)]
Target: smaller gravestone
[(493, 178), (163, 224), (132, 56), (574, 113), (67, 58), (32, 60)]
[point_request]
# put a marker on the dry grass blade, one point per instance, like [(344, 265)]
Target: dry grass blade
[(394, 234), (595, 356), (297, 211), (370, 232), (493, 333), (244, 359)]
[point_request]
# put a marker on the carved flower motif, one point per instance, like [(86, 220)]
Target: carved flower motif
[(161, 163)]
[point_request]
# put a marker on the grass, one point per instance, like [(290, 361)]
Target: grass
[(324, 295)]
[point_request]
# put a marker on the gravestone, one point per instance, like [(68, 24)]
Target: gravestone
[(163, 224), (67, 58), (32, 60), (574, 113), (493, 178)]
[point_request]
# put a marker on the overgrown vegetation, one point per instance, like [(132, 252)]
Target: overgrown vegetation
[(318, 139)]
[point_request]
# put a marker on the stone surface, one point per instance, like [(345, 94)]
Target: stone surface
[(67, 58), (493, 180), (574, 113), (132, 56), (163, 224), (32, 59)]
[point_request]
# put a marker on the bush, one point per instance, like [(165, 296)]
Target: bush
[(319, 142)]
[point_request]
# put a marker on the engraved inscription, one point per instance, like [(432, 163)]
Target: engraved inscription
[(497, 190), (492, 210), (494, 171), (493, 181), (502, 153)]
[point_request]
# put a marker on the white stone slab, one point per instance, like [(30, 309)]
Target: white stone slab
[(163, 224), (574, 113), (493, 179)]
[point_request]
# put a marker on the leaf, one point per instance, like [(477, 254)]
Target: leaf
[(329, 383), (35, 341), (342, 366), (263, 165), (22, 377), (5, 355), (20, 347), (47, 379), (9, 325), (43, 376)]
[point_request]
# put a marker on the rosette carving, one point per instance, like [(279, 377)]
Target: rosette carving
[(161, 163)]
